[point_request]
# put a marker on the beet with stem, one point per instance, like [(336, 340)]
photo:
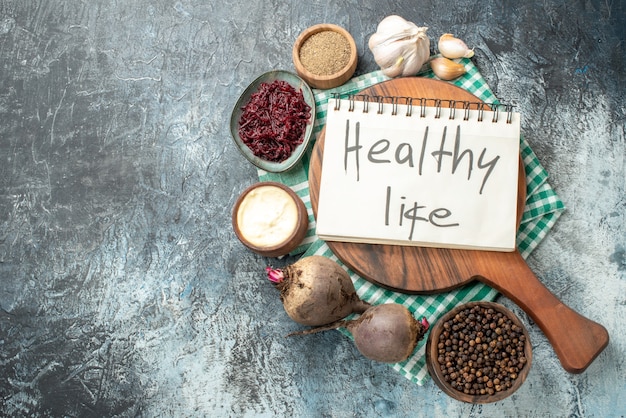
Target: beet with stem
[(316, 291), (387, 333)]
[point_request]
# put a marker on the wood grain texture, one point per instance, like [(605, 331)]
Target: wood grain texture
[(576, 340)]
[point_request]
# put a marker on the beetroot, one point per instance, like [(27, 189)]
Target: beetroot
[(274, 120), (316, 291), (387, 333)]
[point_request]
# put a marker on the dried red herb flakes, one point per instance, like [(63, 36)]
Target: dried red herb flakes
[(274, 120)]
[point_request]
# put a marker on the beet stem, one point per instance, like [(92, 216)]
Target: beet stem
[(425, 324), (275, 275), (360, 306), (331, 326)]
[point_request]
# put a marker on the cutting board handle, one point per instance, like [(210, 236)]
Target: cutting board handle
[(576, 340)]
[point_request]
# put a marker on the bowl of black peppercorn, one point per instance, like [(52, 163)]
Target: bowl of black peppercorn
[(479, 352)]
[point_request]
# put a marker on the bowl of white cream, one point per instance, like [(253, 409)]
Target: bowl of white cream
[(270, 219)]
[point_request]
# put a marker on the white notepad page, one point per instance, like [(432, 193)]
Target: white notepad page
[(426, 179)]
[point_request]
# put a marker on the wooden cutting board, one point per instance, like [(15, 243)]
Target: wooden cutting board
[(576, 340)]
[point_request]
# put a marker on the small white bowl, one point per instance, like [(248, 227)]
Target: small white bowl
[(270, 219)]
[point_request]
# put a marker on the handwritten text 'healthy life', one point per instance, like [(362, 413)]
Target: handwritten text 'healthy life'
[(449, 160)]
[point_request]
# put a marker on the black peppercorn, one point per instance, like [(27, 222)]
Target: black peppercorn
[(484, 352)]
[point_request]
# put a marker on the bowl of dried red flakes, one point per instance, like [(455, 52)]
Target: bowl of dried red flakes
[(272, 121)]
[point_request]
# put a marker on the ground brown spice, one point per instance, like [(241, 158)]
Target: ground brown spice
[(325, 52)]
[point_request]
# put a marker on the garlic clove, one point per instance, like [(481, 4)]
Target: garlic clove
[(451, 47), (447, 69), (387, 51), (415, 60), (395, 69)]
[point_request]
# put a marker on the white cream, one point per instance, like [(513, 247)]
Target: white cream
[(267, 216)]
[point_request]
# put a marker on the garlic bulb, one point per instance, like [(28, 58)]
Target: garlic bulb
[(451, 47), (446, 69), (400, 47)]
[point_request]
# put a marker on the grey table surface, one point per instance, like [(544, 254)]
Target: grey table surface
[(123, 290)]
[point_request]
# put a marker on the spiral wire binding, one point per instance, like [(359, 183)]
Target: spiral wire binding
[(452, 109), (438, 104), (437, 108), (409, 106), (481, 112)]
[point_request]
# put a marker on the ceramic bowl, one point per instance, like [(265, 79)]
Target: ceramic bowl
[(325, 81), (434, 366), (299, 151), (256, 217)]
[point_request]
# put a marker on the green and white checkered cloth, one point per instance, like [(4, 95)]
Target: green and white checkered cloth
[(543, 208)]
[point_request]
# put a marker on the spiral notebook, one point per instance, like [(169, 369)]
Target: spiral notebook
[(424, 172)]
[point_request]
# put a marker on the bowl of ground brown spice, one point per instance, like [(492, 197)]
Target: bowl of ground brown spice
[(479, 352), (325, 56)]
